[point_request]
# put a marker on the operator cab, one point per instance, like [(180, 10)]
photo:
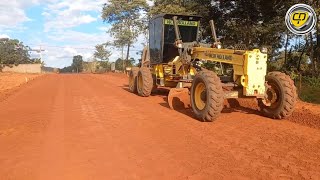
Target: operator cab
[(162, 35)]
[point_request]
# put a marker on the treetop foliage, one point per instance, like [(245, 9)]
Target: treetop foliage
[(101, 52), (13, 51), (127, 21), (256, 24)]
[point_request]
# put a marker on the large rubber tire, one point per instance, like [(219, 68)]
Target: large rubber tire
[(211, 98), (144, 82), (133, 79), (286, 96)]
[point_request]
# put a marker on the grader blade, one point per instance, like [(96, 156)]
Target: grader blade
[(179, 98)]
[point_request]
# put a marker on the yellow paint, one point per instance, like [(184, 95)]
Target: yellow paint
[(200, 88), (250, 67), (218, 55), (299, 18), (255, 70), (181, 22), (227, 56), (193, 71), (158, 70)]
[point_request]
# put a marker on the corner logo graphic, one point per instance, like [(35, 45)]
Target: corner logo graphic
[(301, 19)]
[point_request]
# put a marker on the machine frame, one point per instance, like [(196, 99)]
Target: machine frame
[(177, 64)]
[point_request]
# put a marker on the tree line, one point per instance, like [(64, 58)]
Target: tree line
[(254, 24), (96, 65), (14, 52)]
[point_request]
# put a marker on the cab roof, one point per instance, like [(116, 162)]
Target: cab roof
[(180, 16)]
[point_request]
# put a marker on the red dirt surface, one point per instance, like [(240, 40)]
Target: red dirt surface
[(10, 82), (91, 127)]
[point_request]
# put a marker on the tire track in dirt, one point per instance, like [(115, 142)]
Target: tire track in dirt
[(53, 149), (263, 130), (25, 116)]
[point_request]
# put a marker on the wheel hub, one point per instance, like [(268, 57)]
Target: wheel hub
[(271, 96), (204, 96)]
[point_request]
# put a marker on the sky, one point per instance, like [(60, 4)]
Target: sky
[(63, 28)]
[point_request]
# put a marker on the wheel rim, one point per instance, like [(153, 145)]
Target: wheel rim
[(140, 82), (200, 96), (273, 95)]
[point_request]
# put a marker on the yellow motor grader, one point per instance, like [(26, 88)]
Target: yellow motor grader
[(176, 60)]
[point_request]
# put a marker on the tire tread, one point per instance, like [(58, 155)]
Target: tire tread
[(289, 97)]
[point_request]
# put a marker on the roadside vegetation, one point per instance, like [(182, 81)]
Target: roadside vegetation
[(310, 89), (14, 52)]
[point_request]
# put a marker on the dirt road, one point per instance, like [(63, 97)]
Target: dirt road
[(91, 127)]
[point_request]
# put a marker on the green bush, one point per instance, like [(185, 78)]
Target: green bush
[(313, 82), (310, 90)]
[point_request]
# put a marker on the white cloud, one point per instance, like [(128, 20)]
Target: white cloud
[(70, 50), (73, 21), (88, 39), (4, 36), (61, 43), (104, 28), (70, 13), (55, 56), (61, 56), (73, 43), (12, 14)]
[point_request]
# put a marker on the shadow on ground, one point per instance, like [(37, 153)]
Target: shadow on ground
[(248, 106), (230, 105)]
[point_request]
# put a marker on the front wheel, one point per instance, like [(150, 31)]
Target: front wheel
[(144, 82), (207, 96), (281, 96)]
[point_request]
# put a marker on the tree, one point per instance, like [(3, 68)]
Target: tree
[(12, 51), (102, 53), (36, 61), (253, 23), (119, 64), (172, 7), (256, 24), (315, 42), (77, 63), (125, 18)]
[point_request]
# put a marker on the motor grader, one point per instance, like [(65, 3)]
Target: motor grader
[(176, 59)]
